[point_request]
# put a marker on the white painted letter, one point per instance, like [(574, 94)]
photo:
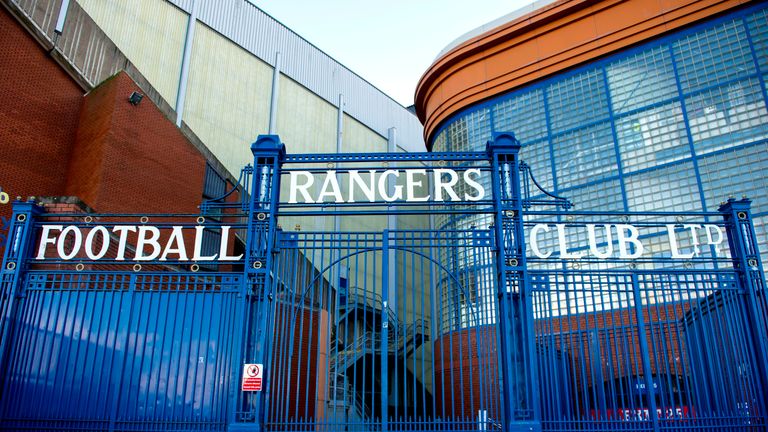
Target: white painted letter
[(369, 190), (411, 185), (333, 183), (593, 241), (176, 238), (474, 185), (564, 254), (447, 186), (710, 241), (63, 240), (673, 243), (535, 240), (45, 240), (694, 237), (199, 246), (302, 188), (104, 243), (123, 231), (143, 241), (223, 248), (397, 195), (623, 239)]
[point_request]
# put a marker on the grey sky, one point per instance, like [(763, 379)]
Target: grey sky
[(389, 43)]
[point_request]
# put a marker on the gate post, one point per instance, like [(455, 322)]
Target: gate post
[(749, 268), (255, 324), (520, 387), (20, 240)]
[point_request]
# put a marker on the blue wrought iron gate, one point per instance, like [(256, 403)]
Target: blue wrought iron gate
[(448, 292)]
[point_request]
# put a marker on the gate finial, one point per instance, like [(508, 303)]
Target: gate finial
[(269, 144), (503, 141)]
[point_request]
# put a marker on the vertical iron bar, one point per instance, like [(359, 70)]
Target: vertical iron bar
[(645, 355), (118, 371), (384, 330)]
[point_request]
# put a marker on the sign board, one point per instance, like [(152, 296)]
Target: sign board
[(627, 239), (71, 241), (252, 377), (149, 243), (373, 186)]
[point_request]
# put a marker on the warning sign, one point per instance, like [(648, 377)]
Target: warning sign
[(252, 377)]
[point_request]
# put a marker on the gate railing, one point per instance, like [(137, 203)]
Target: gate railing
[(585, 331)]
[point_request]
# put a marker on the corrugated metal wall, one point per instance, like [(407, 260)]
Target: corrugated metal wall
[(228, 89), (150, 33), (262, 35), (227, 103)]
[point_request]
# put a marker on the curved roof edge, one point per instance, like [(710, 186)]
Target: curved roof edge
[(525, 10), (558, 36)]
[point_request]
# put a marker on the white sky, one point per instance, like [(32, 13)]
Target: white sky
[(388, 43)]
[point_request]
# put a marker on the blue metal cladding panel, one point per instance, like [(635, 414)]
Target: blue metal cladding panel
[(121, 351)]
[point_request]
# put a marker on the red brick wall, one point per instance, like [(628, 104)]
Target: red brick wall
[(114, 156), (299, 375), (461, 364), (131, 158), (469, 371), (572, 332), (38, 116)]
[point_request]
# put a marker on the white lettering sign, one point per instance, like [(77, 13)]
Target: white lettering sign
[(622, 241), (445, 186), (151, 243)]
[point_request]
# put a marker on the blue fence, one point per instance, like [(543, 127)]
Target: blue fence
[(378, 309)]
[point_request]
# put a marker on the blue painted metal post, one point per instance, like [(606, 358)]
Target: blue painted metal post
[(520, 389), (257, 295), (17, 250), (384, 331), (748, 266), (645, 354)]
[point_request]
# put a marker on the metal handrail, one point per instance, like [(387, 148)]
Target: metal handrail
[(368, 342), (351, 397), (370, 295), (358, 401)]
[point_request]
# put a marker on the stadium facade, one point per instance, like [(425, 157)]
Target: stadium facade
[(625, 106), (572, 253)]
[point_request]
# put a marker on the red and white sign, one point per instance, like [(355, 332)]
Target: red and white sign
[(252, 377)]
